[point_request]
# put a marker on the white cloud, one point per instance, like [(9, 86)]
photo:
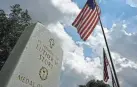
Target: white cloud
[(46, 11), (132, 3), (123, 50), (124, 43), (76, 68), (129, 77)]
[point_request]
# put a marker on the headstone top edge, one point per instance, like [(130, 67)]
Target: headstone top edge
[(37, 24)]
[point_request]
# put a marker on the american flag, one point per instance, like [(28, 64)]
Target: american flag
[(106, 64), (87, 19)]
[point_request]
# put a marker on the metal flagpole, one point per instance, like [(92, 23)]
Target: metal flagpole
[(114, 85), (113, 80), (107, 46)]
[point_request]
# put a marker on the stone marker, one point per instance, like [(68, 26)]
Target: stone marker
[(35, 60)]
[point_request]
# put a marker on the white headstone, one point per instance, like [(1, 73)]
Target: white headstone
[(35, 60)]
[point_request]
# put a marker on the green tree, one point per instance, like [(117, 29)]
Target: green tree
[(95, 83), (11, 27)]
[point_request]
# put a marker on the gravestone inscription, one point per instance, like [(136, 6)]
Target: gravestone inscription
[(35, 60)]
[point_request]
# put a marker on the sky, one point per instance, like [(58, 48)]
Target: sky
[(82, 61)]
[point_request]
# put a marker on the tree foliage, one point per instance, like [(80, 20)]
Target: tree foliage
[(95, 83), (11, 27)]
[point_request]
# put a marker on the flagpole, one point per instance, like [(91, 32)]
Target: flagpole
[(112, 77), (107, 46), (111, 73), (104, 56)]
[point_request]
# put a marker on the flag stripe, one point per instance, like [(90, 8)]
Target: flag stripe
[(87, 21), (88, 24), (78, 18), (105, 69), (76, 22), (91, 29), (82, 19), (86, 9), (87, 30), (106, 76), (106, 64)]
